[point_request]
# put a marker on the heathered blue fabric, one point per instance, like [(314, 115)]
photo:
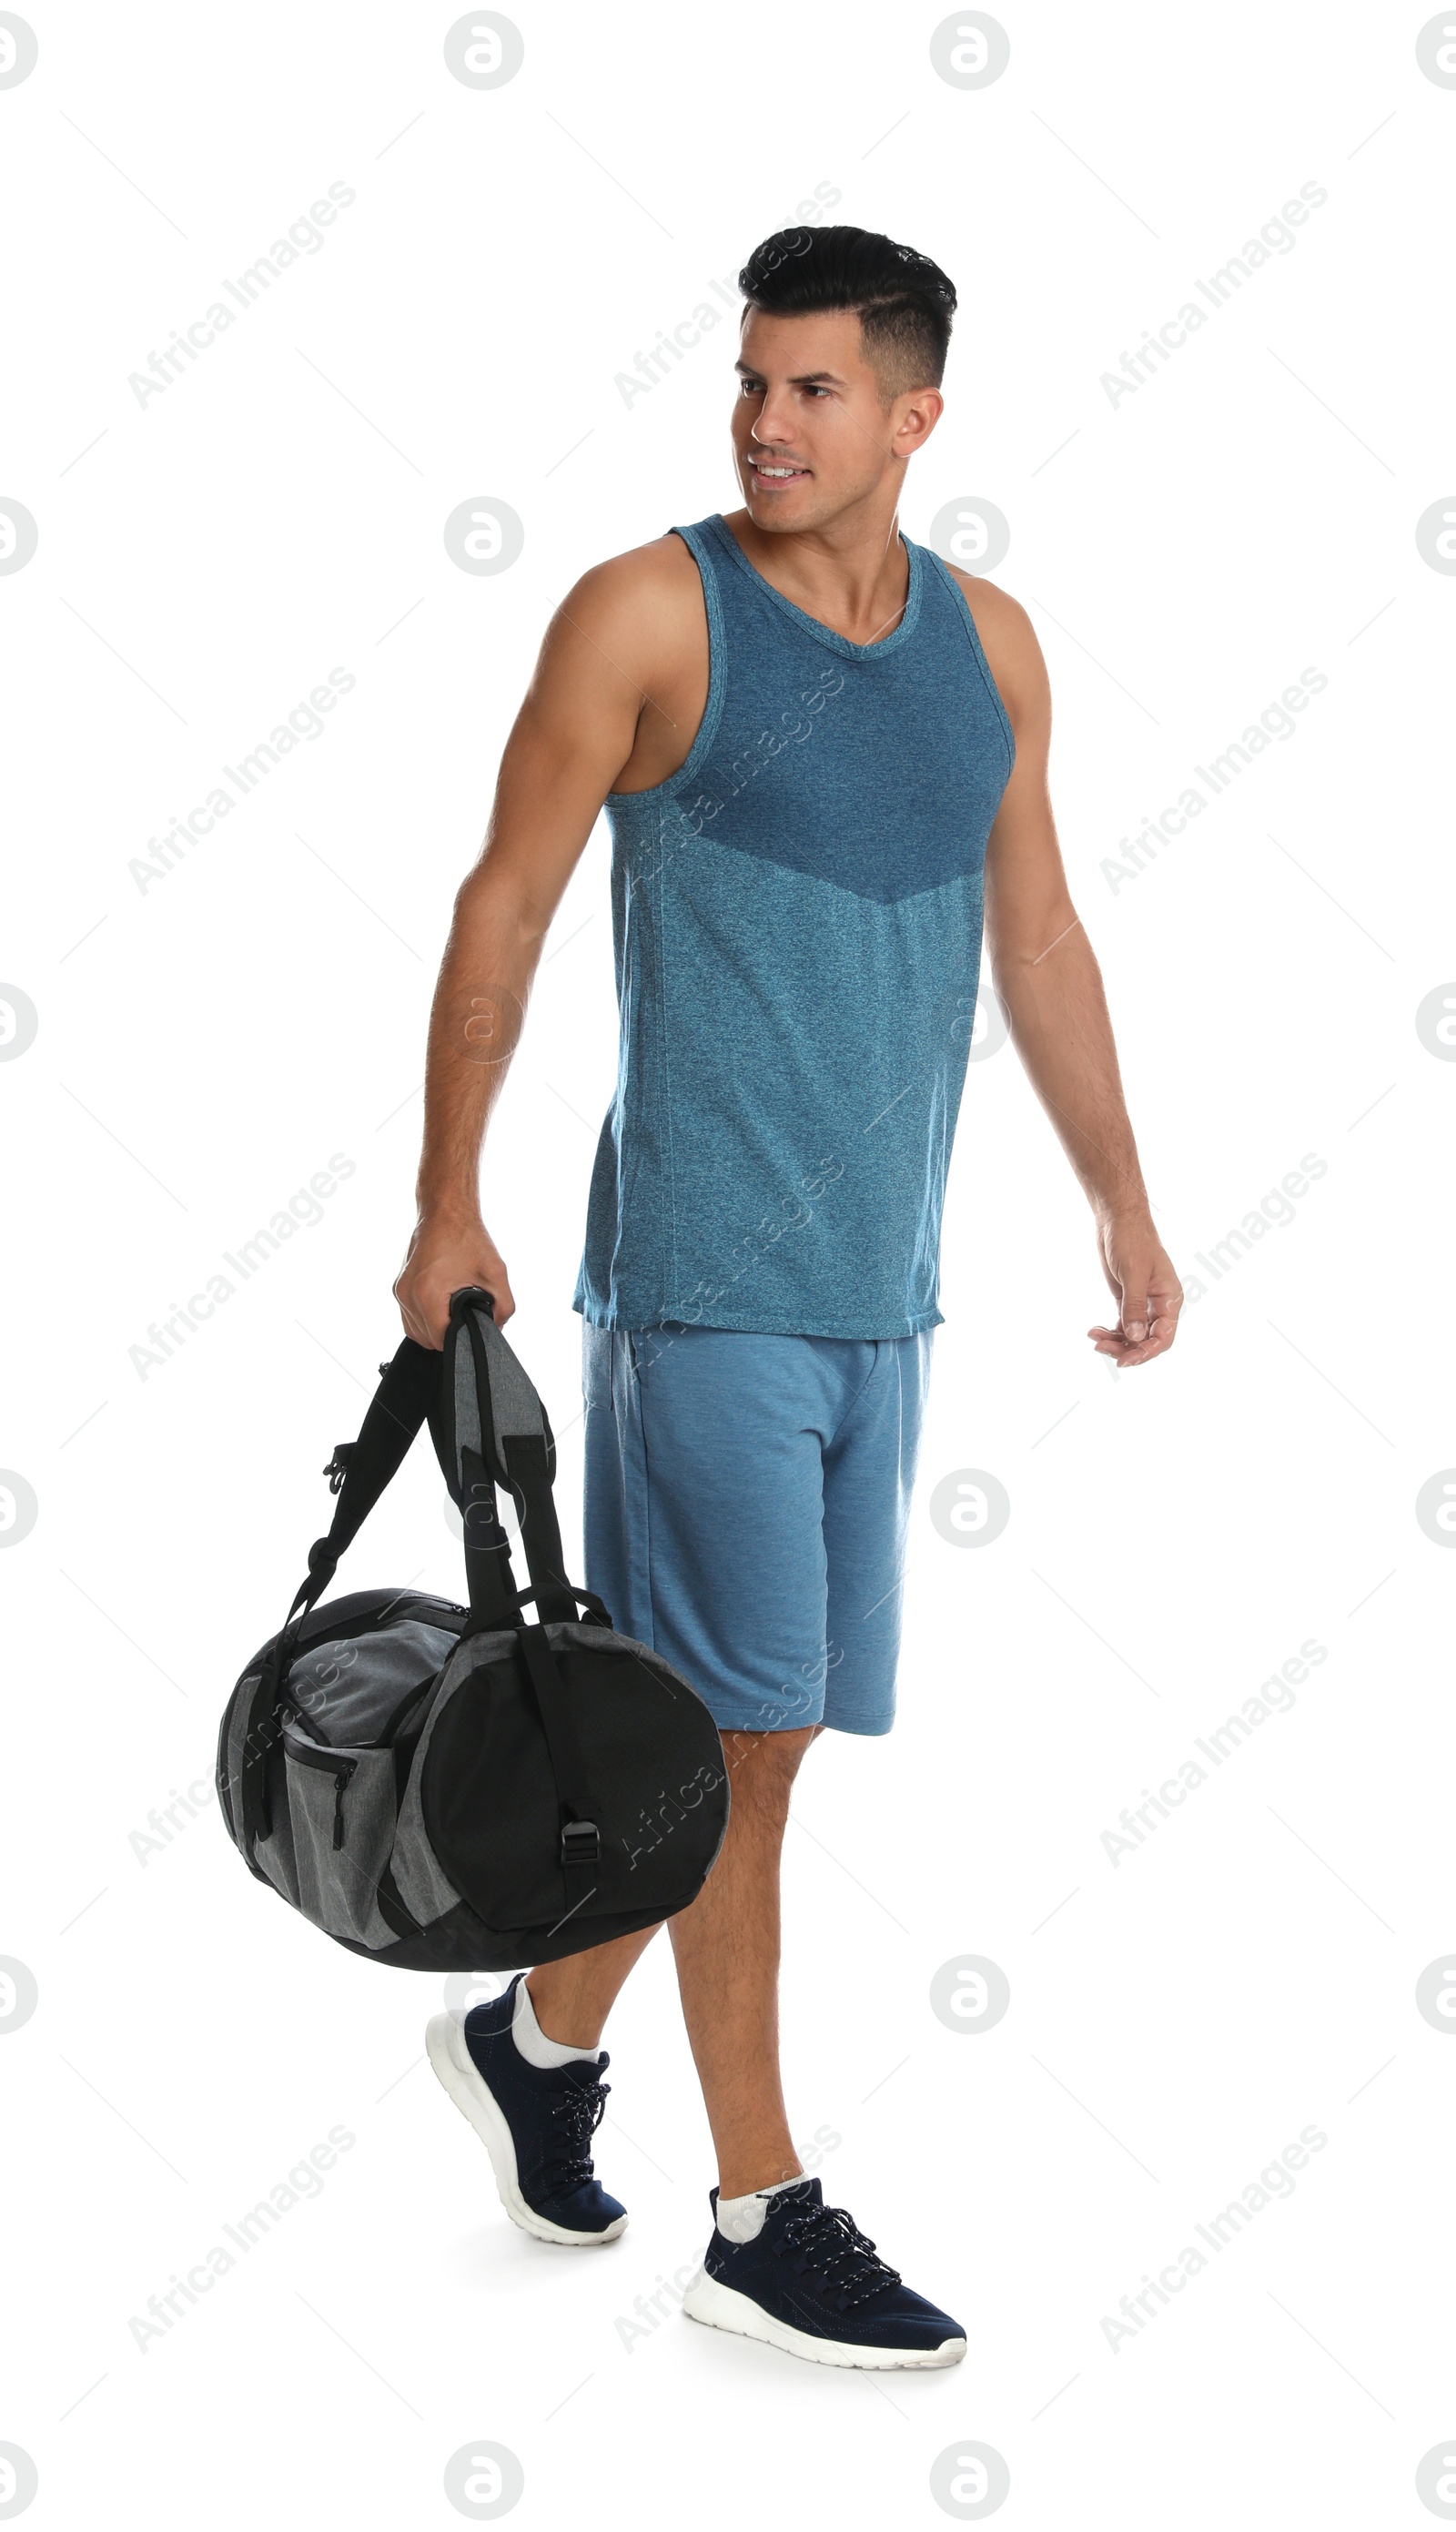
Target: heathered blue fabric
[(745, 1510), (797, 921)]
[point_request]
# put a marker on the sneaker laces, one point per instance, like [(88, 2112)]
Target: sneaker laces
[(580, 2113), (825, 2245)]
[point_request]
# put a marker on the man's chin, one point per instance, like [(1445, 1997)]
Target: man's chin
[(802, 507)]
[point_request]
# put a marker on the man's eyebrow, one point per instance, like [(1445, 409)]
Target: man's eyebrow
[(806, 378)]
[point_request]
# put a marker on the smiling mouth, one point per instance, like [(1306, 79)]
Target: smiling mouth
[(776, 473)]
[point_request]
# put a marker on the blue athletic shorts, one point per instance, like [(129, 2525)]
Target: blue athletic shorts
[(746, 1498)]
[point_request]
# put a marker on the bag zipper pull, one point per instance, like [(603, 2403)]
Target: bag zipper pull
[(341, 1777)]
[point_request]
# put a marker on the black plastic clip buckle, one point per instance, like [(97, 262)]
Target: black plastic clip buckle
[(338, 1466), (581, 1843)]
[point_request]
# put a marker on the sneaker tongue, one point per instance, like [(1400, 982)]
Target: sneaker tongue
[(799, 2193), (796, 2193), (799, 2198)]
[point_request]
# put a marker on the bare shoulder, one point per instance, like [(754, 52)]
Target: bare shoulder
[(1008, 637), (642, 605), (662, 569), (627, 651)]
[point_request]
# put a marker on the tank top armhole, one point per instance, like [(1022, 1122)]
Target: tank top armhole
[(717, 677), (978, 651)]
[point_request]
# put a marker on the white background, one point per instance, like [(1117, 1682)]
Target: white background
[(205, 1044)]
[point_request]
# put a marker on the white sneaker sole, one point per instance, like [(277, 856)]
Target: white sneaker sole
[(724, 2307), (445, 2047)]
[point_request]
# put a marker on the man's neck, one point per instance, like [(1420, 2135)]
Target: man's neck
[(852, 575)]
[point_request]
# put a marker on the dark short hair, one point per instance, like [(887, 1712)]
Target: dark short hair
[(904, 302)]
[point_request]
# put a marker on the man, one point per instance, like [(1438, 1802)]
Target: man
[(815, 743)]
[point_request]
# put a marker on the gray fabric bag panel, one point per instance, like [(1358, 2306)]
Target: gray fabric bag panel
[(574, 1630), (349, 1688), (242, 1707), (338, 1885), (275, 1856)]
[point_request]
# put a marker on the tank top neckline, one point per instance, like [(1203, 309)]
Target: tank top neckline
[(832, 641)]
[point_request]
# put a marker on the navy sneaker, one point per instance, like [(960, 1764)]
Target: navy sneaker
[(814, 2286), (536, 2123)]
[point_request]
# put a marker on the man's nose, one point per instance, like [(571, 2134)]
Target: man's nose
[(773, 427)]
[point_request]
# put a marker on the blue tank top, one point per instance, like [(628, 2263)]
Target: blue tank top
[(797, 921)]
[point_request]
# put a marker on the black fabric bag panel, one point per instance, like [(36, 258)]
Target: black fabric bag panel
[(653, 1760), (458, 1941)]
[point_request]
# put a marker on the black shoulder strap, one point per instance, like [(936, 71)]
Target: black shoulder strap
[(358, 1473), (360, 1470)]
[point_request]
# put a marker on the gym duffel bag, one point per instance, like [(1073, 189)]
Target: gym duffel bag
[(448, 1788)]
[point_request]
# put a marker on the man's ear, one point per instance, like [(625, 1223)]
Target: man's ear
[(920, 410)]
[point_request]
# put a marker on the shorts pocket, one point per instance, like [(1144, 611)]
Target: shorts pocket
[(343, 1807)]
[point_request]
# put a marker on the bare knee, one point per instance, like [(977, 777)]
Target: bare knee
[(762, 1765)]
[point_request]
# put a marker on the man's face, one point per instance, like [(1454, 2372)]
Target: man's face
[(811, 435)]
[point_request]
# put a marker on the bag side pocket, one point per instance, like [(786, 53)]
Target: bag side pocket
[(343, 1808)]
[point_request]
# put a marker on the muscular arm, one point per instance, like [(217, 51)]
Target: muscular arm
[(573, 735), (1048, 979)]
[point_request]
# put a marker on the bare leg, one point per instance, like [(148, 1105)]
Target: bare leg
[(727, 1950), (571, 1999)]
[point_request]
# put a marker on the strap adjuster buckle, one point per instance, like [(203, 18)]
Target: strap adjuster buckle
[(581, 1843), (338, 1466)]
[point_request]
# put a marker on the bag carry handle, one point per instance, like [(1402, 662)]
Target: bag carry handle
[(493, 1431), (489, 1428)]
